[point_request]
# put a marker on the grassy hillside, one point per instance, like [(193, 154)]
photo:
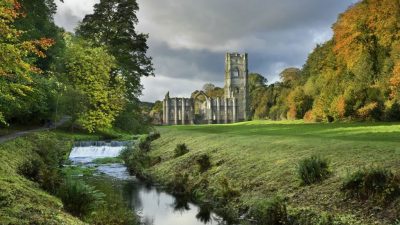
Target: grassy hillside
[(260, 159), (21, 200)]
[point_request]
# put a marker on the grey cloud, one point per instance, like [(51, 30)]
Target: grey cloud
[(188, 38)]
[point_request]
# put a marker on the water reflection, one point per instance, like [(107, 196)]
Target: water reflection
[(154, 206)]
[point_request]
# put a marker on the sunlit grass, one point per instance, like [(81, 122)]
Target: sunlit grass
[(264, 155)]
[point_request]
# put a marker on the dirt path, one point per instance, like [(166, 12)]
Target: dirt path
[(26, 132)]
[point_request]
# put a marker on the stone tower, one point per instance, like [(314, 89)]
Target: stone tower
[(236, 79)]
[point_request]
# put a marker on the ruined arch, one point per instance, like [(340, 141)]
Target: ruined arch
[(201, 105)]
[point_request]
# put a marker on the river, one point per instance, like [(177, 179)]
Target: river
[(152, 204)]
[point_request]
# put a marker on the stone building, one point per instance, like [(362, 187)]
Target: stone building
[(201, 109)]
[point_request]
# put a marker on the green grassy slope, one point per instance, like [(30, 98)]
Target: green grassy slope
[(22, 201), (260, 159)]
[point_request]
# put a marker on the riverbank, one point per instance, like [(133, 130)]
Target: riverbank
[(259, 160), (31, 169), (22, 201)]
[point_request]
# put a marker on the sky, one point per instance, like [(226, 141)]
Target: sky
[(188, 39)]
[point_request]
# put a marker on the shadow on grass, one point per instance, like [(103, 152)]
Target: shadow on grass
[(385, 132)]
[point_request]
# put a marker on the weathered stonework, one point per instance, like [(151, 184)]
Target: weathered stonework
[(201, 109)]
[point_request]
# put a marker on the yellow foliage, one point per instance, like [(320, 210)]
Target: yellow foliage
[(355, 29), (365, 111), (395, 82)]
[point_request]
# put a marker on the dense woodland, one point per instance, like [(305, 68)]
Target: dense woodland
[(353, 76), (92, 76)]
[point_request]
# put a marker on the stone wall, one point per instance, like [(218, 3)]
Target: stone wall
[(230, 109)]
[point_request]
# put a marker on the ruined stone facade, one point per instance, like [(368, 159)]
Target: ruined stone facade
[(201, 109)]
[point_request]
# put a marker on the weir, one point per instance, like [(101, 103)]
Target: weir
[(87, 151)]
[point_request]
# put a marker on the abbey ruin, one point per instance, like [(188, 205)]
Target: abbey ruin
[(202, 109)]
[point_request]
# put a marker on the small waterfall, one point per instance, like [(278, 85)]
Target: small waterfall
[(87, 151)]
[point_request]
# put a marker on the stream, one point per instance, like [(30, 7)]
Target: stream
[(153, 205)]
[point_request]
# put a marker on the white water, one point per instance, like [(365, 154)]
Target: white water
[(89, 153)]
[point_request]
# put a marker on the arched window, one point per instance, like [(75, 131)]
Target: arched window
[(236, 72)]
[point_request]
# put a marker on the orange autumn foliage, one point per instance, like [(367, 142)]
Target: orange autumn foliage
[(14, 51), (395, 81), (355, 30), (341, 107)]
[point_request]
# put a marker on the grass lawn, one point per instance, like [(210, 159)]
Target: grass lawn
[(260, 158), (21, 200)]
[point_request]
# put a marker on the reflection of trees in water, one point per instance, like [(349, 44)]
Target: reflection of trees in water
[(180, 204), (131, 190), (204, 214)]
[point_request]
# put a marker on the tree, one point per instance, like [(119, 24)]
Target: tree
[(38, 22), (209, 87), (290, 76), (257, 95), (113, 25), (101, 96), (16, 70), (212, 91)]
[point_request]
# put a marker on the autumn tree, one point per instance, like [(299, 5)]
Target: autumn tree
[(16, 71), (38, 22)]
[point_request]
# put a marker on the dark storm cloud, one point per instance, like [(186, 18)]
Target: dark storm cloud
[(189, 38)]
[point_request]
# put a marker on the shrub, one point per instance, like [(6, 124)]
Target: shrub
[(180, 150), (204, 163), (309, 117), (270, 211), (153, 136), (144, 144), (31, 169), (372, 182), (136, 161), (180, 184), (225, 191), (45, 167), (313, 169), (113, 210), (78, 198)]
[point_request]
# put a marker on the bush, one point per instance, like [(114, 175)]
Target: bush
[(225, 191), (180, 150), (153, 136), (313, 169), (31, 169), (372, 182), (133, 120), (271, 211), (78, 198), (204, 163), (180, 185), (45, 167), (144, 144), (136, 161)]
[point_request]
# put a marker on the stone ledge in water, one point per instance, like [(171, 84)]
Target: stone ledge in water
[(102, 143)]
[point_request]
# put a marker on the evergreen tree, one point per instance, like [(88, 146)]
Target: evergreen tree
[(113, 25)]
